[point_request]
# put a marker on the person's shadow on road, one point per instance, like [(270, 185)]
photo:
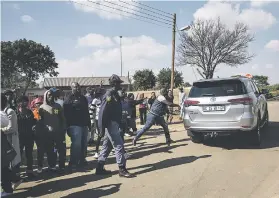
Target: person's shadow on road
[(167, 163), (59, 185), (96, 192)]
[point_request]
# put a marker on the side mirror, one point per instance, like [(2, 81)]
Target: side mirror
[(264, 91)]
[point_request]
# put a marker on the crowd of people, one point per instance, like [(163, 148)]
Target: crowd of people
[(99, 116)]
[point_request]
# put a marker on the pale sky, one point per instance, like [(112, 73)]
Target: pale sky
[(86, 39)]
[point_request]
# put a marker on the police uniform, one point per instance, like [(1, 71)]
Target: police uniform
[(110, 117)]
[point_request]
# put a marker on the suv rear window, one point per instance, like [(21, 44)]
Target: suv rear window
[(217, 88)]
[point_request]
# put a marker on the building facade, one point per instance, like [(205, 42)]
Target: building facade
[(64, 83)]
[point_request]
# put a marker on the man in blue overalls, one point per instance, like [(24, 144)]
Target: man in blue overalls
[(110, 118), (156, 115)]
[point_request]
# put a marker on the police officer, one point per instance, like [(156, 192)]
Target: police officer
[(156, 115), (109, 118)]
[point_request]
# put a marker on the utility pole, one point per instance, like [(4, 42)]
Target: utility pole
[(121, 54), (173, 51)]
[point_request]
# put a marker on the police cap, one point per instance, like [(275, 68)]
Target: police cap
[(115, 79)]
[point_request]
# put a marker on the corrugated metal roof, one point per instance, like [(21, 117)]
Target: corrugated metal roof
[(83, 81)]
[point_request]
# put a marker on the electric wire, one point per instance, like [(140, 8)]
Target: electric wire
[(131, 17), (136, 10), (128, 12), (142, 8), (151, 7)]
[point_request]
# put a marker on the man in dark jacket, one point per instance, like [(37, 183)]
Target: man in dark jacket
[(78, 121), (110, 118)]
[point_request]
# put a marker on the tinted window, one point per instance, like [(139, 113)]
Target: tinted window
[(217, 88), (256, 90), (249, 86)]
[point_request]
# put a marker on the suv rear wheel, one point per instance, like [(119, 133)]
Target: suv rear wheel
[(266, 119), (256, 134), (197, 137)]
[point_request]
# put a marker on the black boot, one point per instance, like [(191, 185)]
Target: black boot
[(168, 141), (124, 173), (134, 142), (100, 170)]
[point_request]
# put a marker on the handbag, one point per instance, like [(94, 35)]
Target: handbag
[(8, 152)]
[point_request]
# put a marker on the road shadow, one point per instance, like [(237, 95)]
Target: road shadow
[(96, 192), (60, 185), (270, 139), (167, 163), (166, 149)]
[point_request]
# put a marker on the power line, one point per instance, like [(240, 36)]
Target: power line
[(152, 7), (146, 9), (128, 12), (121, 14), (136, 10)]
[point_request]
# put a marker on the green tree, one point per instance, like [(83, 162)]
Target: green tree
[(164, 78), (261, 81), (187, 84), (144, 79), (211, 43), (26, 60)]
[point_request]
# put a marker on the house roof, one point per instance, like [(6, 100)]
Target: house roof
[(83, 81)]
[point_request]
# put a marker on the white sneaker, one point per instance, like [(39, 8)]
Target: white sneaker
[(40, 170), (4, 194), (127, 155), (96, 156), (15, 185), (127, 135)]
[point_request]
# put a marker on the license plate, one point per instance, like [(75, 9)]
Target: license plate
[(213, 108)]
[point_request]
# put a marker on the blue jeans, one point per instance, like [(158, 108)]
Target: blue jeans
[(114, 140), (150, 121), (78, 137)]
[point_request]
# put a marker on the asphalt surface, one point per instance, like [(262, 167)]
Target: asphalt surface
[(225, 167)]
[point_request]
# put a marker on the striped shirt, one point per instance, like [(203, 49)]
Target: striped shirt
[(94, 109)]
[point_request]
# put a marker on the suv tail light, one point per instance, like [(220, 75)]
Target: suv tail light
[(188, 103), (244, 101)]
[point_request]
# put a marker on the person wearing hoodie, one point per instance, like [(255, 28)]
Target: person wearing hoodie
[(52, 118), (26, 122)]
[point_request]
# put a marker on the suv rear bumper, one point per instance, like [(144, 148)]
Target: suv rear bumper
[(220, 127)]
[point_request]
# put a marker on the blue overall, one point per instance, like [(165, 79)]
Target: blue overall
[(110, 118), (155, 115)]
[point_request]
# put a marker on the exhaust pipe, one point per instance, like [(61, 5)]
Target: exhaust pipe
[(213, 135)]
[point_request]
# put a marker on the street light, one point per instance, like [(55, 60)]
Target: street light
[(185, 28), (121, 55)]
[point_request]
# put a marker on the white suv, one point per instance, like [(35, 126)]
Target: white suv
[(225, 106)]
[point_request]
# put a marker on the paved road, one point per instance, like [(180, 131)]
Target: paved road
[(222, 168)]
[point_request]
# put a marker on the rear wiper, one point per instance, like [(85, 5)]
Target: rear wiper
[(208, 95)]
